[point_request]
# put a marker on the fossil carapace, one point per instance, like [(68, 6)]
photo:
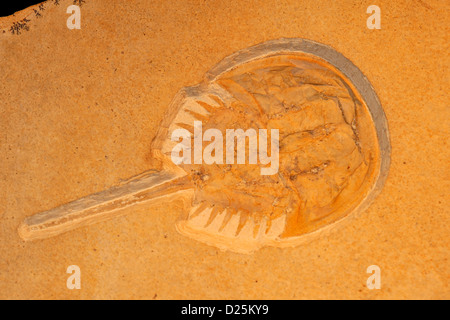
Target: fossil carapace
[(333, 152)]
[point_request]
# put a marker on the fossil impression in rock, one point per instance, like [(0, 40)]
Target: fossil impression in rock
[(334, 152)]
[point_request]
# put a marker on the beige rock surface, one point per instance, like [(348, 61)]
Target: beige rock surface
[(81, 107)]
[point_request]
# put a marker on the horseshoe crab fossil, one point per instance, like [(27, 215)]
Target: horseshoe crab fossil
[(334, 152)]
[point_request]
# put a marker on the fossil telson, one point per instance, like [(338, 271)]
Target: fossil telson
[(334, 152)]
